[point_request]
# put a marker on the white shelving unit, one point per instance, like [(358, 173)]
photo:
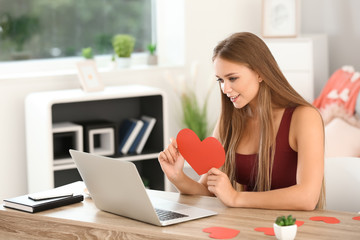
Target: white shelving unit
[(44, 110), (67, 127), (304, 62)]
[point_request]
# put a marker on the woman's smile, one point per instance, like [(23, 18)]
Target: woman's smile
[(234, 98)]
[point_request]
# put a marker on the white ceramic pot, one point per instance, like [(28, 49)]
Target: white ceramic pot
[(123, 62), (285, 232), (152, 60)]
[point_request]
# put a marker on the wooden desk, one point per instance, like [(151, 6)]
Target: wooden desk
[(85, 221)]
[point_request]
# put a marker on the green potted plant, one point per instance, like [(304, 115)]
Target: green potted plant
[(123, 45), (87, 53), (193, 102), (194, 115), (152, 58), (285, 227)]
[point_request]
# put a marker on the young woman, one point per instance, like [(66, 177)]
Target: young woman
[(273, 138)]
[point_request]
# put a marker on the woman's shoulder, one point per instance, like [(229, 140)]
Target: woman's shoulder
[(306, 115), (306, 123), (307, 111)]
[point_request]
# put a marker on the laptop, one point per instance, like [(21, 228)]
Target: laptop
[(116, 187)]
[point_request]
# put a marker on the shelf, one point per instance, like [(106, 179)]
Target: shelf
[(64, 166), (63, 112)]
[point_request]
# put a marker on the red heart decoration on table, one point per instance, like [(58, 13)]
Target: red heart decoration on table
[(266, 230), (221, 232), (330, 220), (270, 231), (201, 155), (356, 218), (299, 223)]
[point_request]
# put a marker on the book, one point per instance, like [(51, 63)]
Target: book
[(128, 132), (24, 203), (136, 142), (149, 122), (124, 132)]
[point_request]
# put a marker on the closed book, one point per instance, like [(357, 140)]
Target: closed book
[(124, 132), (130, 140), (139, 137), (24, 203), (150, 122)]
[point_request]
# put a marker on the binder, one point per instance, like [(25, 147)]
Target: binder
[(24, 203)]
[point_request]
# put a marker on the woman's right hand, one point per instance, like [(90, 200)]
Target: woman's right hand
[(171, 161)]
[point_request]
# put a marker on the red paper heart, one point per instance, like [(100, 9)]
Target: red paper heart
[(330, 220), (221, 232), (299, 223), (266, 230), (356, 218), (201, 155)]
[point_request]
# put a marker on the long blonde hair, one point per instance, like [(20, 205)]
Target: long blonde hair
[(248, 49)]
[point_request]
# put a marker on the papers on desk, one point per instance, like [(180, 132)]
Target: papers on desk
[(57, 197)]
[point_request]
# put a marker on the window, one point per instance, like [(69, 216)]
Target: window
[(38, 29)]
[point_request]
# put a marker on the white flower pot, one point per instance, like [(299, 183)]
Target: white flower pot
[(152, 60), (285, 232), (123, 62)]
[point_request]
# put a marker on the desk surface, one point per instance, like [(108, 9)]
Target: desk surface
[(83, 220)]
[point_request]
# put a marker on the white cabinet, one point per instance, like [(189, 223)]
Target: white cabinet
[(49, 113), (304, 62)]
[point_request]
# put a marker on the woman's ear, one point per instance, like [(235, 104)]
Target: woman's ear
[(259, 77)]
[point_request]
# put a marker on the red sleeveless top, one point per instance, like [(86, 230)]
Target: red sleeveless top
[(285, 160)]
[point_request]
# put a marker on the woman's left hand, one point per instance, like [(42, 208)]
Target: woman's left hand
[(219, 184)]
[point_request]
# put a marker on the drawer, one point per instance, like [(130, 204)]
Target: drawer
[(292, 55), (302, 82)]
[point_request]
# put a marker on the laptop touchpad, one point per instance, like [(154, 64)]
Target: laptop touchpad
[(167, 205)]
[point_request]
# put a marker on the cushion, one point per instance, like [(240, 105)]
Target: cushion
[(341, 139)]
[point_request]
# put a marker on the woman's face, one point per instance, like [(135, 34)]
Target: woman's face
[(238, 82)]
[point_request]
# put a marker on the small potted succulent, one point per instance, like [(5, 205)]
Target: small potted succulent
[(87, 53), (123, 45), (152, 58), (285, 227)]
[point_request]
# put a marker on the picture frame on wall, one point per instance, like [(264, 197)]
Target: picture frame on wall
[(280, 18), (89, 77)]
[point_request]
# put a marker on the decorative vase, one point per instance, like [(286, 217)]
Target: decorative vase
[(123, 62), (152, 60), (285, 232)]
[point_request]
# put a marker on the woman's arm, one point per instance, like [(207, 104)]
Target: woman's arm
[(307, 138), (172, 164)]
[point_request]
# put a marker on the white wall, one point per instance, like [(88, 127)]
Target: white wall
[(340, 21), (206, 22)]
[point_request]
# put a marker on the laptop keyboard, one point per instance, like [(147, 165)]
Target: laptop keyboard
[(165, 215)]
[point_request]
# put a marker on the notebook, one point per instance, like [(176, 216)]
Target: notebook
[(116, 187)]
